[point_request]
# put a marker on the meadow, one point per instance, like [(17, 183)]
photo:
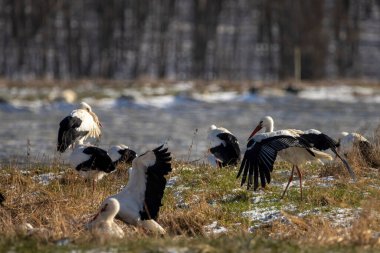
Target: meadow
[(204, 210)]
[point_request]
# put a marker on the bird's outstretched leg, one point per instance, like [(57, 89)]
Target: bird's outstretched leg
[(300, 178), (290, 180)]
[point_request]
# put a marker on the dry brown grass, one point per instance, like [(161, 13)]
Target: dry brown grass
[(62, 208), (316, 230)]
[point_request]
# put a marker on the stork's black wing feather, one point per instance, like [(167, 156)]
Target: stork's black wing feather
[(127, 155), (260, 156), (229, 154), (67, 133), (156, 183), (99, 160), (320, 141), (323, 142)]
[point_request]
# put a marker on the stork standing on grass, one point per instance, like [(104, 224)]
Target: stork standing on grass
[(79, 126), (91, 162), (224, 146), (121, 154), (103, 224), (140, 200), (294, 146)]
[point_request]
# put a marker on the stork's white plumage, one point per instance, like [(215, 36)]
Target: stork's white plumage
[(91, 162), (79, 126), (140, 200), (348, 141), (294, 146), (224, 146), (103, 224), (121, 154)]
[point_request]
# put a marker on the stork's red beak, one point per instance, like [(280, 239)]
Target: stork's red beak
[(258, 128)]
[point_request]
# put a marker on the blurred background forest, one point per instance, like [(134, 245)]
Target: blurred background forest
[(189, 39)]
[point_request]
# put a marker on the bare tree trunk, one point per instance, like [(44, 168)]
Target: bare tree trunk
[(205, 22)]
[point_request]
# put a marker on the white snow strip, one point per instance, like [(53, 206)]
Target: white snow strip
[(214, 228)]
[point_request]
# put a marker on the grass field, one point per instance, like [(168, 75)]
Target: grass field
[(205, 210)]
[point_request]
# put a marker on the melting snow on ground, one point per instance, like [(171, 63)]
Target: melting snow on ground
[(214, 228), (45, 179), (172, 181), (341, 93)]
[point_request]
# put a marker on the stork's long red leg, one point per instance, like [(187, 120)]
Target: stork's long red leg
[(300, 178), (290, 180)]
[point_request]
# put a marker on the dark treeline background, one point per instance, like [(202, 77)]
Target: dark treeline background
[(189, 39)]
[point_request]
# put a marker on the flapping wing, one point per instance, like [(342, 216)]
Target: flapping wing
[(156, 182), (322, 142), (260, 156)]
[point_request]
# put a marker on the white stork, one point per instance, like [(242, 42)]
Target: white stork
[(91, 162), (140, 200), (121, 154), (103, 224), (348, 142), (80, 125), (294, 146), (224, 146)]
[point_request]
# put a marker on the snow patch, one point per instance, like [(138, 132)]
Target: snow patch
[(172, 181), (341, 93), (45, 179), (214, 228)]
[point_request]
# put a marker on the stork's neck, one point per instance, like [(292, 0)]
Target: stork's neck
[(269, 127), (107, 218), (137, 182)]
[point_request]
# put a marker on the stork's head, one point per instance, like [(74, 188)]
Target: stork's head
[(266, 123), (121, 151), (85, 106), (212, 127), (108, 210), (113, 152)]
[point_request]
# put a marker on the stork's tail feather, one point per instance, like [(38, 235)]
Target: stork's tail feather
[(322, 155)]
